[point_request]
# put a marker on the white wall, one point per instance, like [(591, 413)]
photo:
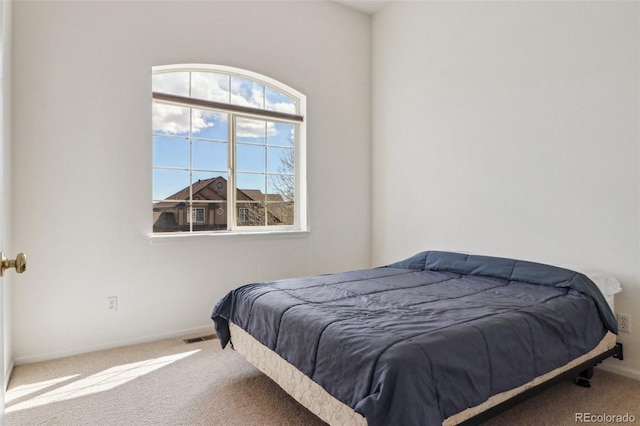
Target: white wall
[(82, 162), (511, 129)]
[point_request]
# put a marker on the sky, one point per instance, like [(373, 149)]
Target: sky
[(260, 144)]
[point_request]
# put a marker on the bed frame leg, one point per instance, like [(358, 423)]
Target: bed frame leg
[(584, 378), (619, 352)]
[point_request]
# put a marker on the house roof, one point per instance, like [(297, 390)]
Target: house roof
[(205, 189), (198, 186), (215, 189), (257, 195)]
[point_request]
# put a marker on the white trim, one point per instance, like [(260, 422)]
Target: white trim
[(192, 237), (117, 344), (611, 366), (7, 374)]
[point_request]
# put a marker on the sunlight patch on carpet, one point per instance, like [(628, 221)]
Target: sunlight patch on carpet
[(100, 382), (23, 390)]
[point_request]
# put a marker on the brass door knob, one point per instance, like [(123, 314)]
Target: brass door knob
[(20, 263)]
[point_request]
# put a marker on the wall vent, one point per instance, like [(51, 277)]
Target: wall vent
[(200, 339)]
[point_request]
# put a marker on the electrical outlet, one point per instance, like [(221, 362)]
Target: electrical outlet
[(112, 303), (623, 323)]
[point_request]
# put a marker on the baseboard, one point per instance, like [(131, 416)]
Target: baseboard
[(620, 370), (7, 375), (111, 345)]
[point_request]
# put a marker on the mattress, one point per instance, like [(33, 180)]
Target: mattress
[(421, 340)]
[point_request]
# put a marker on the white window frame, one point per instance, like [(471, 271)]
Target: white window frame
[(243, 214), (192, 215), (300, 198)]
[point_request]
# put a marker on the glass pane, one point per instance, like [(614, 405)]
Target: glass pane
[(282, 135), (210, 125), (252, 186), (203, 123), (174, 83), (281, 187), (250, 158), (170, 152), (197, 213), (220, 217), (170, 120), (250, 214), (210, 86), (207, 216), (251, 131), (166, 217), (209, 155), (247, 92), (280, 213), (209, 186), (280, 160), (170, 184), (209, 175), (278, 101)]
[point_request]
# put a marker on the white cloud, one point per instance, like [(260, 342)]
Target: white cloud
[(247, 93), (287, 107), (175, 83), (254, 128), (223, 88), (210, 86), (174, 120), (219, 88)]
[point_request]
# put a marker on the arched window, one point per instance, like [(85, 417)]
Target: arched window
[(228, 151)]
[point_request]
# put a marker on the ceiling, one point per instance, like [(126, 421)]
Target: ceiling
[(366, 6)]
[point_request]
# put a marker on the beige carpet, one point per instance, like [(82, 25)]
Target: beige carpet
[(172, 383)]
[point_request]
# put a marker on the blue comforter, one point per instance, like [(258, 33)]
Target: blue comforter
[(425, 338)]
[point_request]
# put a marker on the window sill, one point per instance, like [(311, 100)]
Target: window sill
[(191, 237)]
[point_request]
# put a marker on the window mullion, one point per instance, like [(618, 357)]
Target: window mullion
[(299, 208), (231, 184), (266, 181), (190, 209)]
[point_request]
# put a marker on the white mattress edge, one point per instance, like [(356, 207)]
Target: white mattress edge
[(304, 390)]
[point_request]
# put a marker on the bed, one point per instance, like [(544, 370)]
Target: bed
[(438, 338)]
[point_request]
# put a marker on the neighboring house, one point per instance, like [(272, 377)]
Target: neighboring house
[(208, 210)]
